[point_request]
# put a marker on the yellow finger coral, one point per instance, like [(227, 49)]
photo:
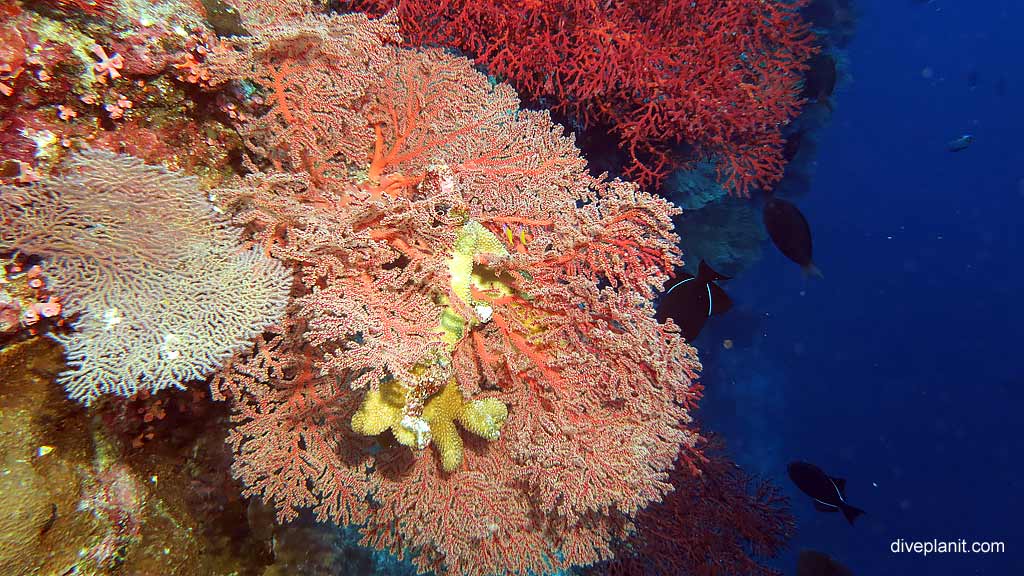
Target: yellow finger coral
[(381, 409), (416, 413), (473, 240), (482, 417), (387, 409)]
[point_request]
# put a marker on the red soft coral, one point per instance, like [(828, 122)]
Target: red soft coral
[(719, 76), (720, 521)]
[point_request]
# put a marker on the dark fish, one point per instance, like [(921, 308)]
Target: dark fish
[(814, 563), (829, 493), (820, 79), (790, 233), (972, 79), (694, 299), (960, 143)]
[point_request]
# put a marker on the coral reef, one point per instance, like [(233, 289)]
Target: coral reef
[(25, 299), (160, 293), (721, 521), (70, 503), (694, 188), (726, 233), (119, 79), (468, 374), (79, 496), (719, 76), (458, 265)]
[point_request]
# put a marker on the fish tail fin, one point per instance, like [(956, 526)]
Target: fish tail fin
[(851, 513), (812, 270)]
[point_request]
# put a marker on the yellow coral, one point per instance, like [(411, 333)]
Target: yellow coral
[(386, 409), (441, 412), (481, 417), (474, 239), (381, 409), (396, 405), (484, 417)]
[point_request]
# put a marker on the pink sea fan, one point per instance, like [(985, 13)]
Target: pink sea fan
[(455, 256), (162, 290)]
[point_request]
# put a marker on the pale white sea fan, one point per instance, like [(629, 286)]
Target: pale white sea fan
[(203, 310), (162, 291)]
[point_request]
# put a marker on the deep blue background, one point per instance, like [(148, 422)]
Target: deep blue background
[(903, 366)]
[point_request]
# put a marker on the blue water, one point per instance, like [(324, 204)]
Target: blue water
[(901, 369)]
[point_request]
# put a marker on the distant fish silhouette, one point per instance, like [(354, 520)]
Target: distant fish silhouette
[(820, 79), (814, 563), (694, 299), (790, 233), (829, 493), (960, 143)]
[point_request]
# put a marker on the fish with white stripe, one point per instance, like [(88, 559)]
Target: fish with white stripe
[(694, 299), (828, 493)]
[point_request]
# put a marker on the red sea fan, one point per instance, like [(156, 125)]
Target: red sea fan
[(721, 521), (472, 302), (721, 76)]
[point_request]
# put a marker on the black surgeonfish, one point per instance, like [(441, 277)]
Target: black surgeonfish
[(814, 563), (820, 79), (829, 493), (790, 233), (694, 299)]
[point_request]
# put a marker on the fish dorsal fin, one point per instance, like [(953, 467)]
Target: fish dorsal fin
[(706, 273), (840, 484)]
